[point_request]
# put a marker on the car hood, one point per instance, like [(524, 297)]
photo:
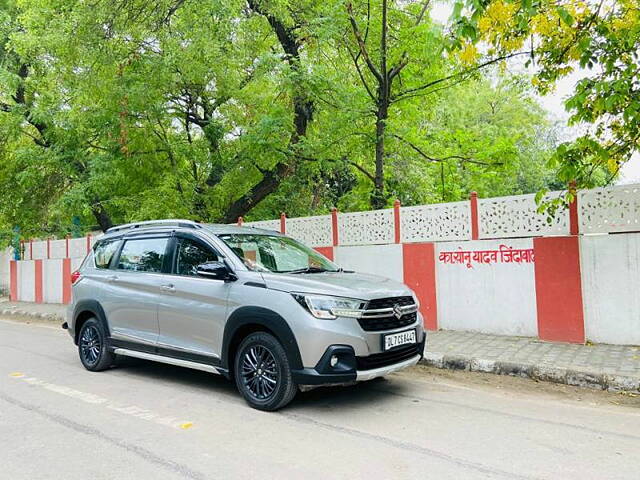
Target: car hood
[(341, 284)]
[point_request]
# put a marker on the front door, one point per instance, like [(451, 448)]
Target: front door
[(192, 310)]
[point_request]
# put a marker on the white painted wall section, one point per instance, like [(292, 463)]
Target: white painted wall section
[(5, 257), (26, 281), (383, 260), (496, 298), (52, 281), (610, 288)]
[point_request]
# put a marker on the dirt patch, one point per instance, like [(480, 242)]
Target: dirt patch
[(521, 387)]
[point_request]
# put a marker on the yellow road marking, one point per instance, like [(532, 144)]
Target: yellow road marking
[(186, 425), (16, 374)]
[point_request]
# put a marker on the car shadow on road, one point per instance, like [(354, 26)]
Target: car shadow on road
[(379, 391)]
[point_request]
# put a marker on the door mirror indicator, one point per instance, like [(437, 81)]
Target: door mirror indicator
[(216, 270)]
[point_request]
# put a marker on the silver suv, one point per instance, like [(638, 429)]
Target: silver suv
[(253, 305)]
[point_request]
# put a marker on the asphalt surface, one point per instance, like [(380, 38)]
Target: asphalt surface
[(144, 420)]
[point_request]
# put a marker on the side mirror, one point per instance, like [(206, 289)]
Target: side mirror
[(216, 270)]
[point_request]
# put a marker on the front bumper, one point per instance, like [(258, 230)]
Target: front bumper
[(362, 375), (350, 368)]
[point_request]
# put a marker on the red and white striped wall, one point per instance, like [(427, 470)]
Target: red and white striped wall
[(486, 265), (45, 275), (42, 281)]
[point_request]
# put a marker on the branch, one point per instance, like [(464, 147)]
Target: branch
[(463, 73), (362, 45), (404, 60), (442, 159), (425, 5), (363, 170), (171, 12), (348, 162), (362, 79)]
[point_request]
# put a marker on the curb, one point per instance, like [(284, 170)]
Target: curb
[(17, 312), (593, 380)]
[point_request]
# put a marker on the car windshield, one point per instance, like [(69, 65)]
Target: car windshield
[(274, 253)]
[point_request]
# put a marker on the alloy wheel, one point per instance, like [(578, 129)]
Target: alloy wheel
[(90, 344), (259, 372)]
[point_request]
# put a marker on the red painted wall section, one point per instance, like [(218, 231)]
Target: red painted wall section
[(334, 225), (558, 289), (473, 202), (420, 275), (66, 280), (13, 280), (396, 220), (38, 280), (283, 223), (326, 251)]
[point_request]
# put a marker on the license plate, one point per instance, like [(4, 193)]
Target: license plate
[(401, 338)]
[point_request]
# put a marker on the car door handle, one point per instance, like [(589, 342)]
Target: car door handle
[(168, 288), (112, 278)]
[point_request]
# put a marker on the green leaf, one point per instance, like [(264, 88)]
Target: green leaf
[(565, 16)]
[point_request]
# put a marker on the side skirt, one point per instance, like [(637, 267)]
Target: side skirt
[(169, 360)]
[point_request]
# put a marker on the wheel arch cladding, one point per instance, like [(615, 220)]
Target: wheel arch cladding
[(250, 319), (85, 310)]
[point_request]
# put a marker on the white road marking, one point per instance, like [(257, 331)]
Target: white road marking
[(131, 410)]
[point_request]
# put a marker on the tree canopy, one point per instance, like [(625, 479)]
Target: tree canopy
[(123, 110), (559, 37)]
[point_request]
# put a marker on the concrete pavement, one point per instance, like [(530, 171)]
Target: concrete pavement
[(606, 367), (146, 420)]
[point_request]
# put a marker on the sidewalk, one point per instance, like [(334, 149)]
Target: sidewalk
[(44, 311), (604, 367)]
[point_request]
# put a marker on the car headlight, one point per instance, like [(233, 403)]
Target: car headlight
[(330, 308)]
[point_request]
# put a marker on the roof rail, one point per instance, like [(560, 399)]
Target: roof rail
[(155, 223)]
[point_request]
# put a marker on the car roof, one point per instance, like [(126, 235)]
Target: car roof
[(165, 226)]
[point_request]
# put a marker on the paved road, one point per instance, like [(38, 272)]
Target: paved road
[(151, 421)]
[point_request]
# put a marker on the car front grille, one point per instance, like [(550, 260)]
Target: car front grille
[(379, 315), (384, 359)]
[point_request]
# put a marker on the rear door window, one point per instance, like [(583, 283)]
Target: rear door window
[(143, 255)]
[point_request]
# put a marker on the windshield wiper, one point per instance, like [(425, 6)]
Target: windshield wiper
[(308, 270)]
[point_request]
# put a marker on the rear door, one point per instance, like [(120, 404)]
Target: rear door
[(192, 311), (133, 287)]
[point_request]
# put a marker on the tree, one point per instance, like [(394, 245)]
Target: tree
[(603, 38), (128, 110)]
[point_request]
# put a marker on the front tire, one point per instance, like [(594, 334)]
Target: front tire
[(92, 346), (262, 372)]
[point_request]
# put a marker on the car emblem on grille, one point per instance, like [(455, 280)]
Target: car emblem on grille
[(397, 311)]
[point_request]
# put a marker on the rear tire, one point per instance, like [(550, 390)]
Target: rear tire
[(262, 372), (92, 346)]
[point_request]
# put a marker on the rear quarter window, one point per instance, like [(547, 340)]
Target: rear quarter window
[(103, 253)]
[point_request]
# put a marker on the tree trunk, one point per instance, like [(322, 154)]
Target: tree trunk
[(302, 115), (269, 183), (378, 196), (101, 215)]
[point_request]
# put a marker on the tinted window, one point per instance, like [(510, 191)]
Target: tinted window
[(144, 255), (190, 255), (103, 253)]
